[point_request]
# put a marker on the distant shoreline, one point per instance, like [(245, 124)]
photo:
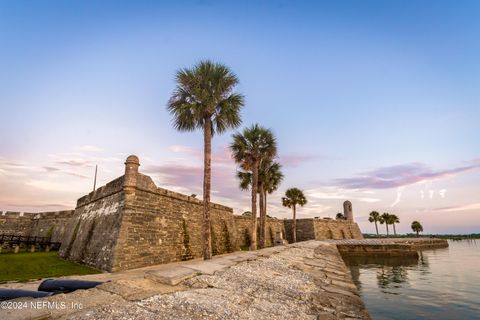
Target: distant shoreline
[(438, 236)]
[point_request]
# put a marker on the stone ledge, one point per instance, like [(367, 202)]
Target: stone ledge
[(171, 276)]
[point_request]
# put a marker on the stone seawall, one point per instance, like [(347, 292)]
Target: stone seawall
[(390, 250), (393, 247)]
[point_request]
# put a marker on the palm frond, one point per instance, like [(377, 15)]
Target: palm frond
[(295, 196), (205, 93)]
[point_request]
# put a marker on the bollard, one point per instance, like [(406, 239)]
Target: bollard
[(47, 248), (32, 248), (17, 248)]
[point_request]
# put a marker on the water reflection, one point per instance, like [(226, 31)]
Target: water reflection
[(391, 272), (388, 278), (438, 284)]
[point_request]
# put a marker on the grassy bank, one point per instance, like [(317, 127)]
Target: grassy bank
[(29, 266)]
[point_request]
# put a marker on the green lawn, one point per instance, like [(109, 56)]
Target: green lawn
[(37, 265)]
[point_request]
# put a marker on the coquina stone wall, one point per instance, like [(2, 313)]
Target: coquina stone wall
[(42, 224), (131, 223), (92, 232), (244, 230), (160, 226), (323, 229)]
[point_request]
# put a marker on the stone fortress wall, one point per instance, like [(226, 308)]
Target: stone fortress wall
[(93, 230), (42, 224), (274, 228), (131, 223), (161, 226), (322, 229)]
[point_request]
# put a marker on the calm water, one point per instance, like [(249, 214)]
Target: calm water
[(441, 284)]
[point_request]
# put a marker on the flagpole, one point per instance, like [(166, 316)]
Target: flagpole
[(95, 180)]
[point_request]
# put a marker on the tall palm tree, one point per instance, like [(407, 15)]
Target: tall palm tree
[(250, 149), (374, 217), (394, 219), (204, 99), (294, 197), (269, 178), (417, 227), (384, 218)]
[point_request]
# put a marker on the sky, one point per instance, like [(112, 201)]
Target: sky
[(377, 102)]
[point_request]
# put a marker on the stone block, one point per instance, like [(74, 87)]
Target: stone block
[(172, 275), (205, 267)]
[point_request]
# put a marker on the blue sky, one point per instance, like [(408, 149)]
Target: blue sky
[(374, 101)]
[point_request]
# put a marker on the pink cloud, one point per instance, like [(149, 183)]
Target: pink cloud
[(50, 169), (190, 177), (295, 160), (73, 162), (176, 174), (401, 175), (472, 206)]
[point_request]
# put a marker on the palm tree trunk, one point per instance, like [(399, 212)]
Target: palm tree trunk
[(262, 218), (207, 170), (376, 227), (253, 244), (386, 224), (294, 231), (417, 233), (265, 216), (394, 231)]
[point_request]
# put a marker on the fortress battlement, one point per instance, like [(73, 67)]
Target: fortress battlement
[(130, 223)]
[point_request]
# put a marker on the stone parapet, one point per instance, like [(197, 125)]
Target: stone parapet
[(42, 224), (107, 190)]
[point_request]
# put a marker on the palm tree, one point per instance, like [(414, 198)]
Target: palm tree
[(269, 178), (384, 218), (250, 149), (204, 99), (294, 197), (417, 227), (394, 219), (374, 217), (272, 177)]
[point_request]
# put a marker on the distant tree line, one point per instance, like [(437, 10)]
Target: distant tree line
[(390, 219)]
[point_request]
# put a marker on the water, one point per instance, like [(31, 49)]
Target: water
[(440, 284)]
